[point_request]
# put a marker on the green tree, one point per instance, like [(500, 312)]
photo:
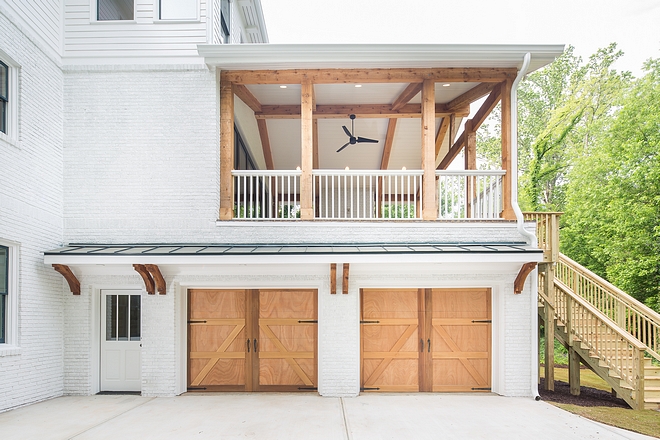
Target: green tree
[(612, 219)]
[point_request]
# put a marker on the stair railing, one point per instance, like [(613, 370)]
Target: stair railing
[(602, 337), (630, 314)]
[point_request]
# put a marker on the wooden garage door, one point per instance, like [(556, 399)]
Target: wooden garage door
[(426, 340), (252, 340)]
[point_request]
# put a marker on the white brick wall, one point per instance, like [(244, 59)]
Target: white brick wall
[(31, 215)]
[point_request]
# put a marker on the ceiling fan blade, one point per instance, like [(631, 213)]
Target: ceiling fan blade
[(348, 133), (367, 140), (344, 146)]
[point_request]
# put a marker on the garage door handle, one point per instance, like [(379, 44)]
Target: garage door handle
[(429, 341), (421, 342), (248, 345), (255, 345)]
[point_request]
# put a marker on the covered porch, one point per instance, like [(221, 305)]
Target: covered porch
[(367, 132)]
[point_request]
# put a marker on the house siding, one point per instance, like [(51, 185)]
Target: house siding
[(31, 215)]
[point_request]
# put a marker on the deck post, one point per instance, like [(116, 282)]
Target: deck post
[(574, 371), (226, 148), (549, 327), (470, 156), (507, 207), (307, 149), (429, 199)]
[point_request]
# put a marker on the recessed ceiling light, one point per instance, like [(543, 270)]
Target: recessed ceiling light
[(358, 85), (446, 85), (282, 87)]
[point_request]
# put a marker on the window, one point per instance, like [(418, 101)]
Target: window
[(4, 291), (178, 10), (225, 21), (4, 96), (242, 157), (115, 10)]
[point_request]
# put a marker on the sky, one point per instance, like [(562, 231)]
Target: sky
[(586, 24)]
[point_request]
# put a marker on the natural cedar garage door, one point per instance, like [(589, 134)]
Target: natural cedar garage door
[(426, 340), (252, 340)]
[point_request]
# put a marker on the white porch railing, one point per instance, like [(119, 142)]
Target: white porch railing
[(368, 195), (260, 195), (469, 194)]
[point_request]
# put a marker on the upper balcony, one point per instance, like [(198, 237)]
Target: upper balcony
[(338, 137)]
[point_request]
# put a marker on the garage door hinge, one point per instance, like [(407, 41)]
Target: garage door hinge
[(482, 320), (369, 322), (369, 389), (196, 321), (308, 321), (308, 389), (196, 388), (480, 389)]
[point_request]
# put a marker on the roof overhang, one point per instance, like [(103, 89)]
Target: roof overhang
[(372, 56), (195, 254)]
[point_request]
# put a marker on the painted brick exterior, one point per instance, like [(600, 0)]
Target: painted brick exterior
[(31, 217)]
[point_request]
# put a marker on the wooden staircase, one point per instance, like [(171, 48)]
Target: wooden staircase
[(602, 327)]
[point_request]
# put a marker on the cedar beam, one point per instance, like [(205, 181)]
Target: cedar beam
[(333, 111), (265, 143), (247, 97), (333, 278), (367, 76), (519, 283), (470, 96), (440, 137), (405, 96), (389, 141), (157, 277), (226, 148), (486, 108), (69, 276), (507, 207), (146, 277), (429, 202), (344, 284), (307, 150), (453, 152)]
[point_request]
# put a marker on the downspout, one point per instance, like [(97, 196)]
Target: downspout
[(531, 238)]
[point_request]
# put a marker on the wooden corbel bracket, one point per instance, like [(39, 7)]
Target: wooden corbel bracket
[(519, 283), (157, 277), (146, 277), (344, 285), (333, 278), (70, 278)]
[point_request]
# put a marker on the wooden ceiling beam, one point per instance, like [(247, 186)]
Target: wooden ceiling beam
[(359, 110), (471, 95), (265, 144), (454, 150), (440, 137), (247, 97), (405, 96), (366, 76), (486, 108), (389, 141)]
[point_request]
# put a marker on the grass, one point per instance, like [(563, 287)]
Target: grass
[(644, 422)]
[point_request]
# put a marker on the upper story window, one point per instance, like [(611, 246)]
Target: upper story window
[(4, 96), (4, 291), (115, 10), (225, 21), (242, 157), (178, 10)]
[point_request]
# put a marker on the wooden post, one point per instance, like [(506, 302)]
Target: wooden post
[(307, 149), (549, 333), (470, 153), (429, 208), (226, 149), (638, 361), (574, 371), (507, 208)]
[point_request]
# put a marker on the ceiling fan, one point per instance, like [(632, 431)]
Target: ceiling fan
[(353, 139)]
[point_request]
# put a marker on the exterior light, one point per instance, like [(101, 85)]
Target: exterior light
[(297, 168), (446, 85), (346, 168), (282, 87), (358, 85), (403, 168)]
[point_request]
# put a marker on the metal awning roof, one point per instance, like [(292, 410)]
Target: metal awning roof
[(288, 249)]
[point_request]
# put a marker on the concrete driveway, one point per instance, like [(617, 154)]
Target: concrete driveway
[(300, 416)]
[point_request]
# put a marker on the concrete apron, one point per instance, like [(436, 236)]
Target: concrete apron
[(300, 416)]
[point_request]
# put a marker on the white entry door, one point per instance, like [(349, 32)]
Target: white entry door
[(120, 340)]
